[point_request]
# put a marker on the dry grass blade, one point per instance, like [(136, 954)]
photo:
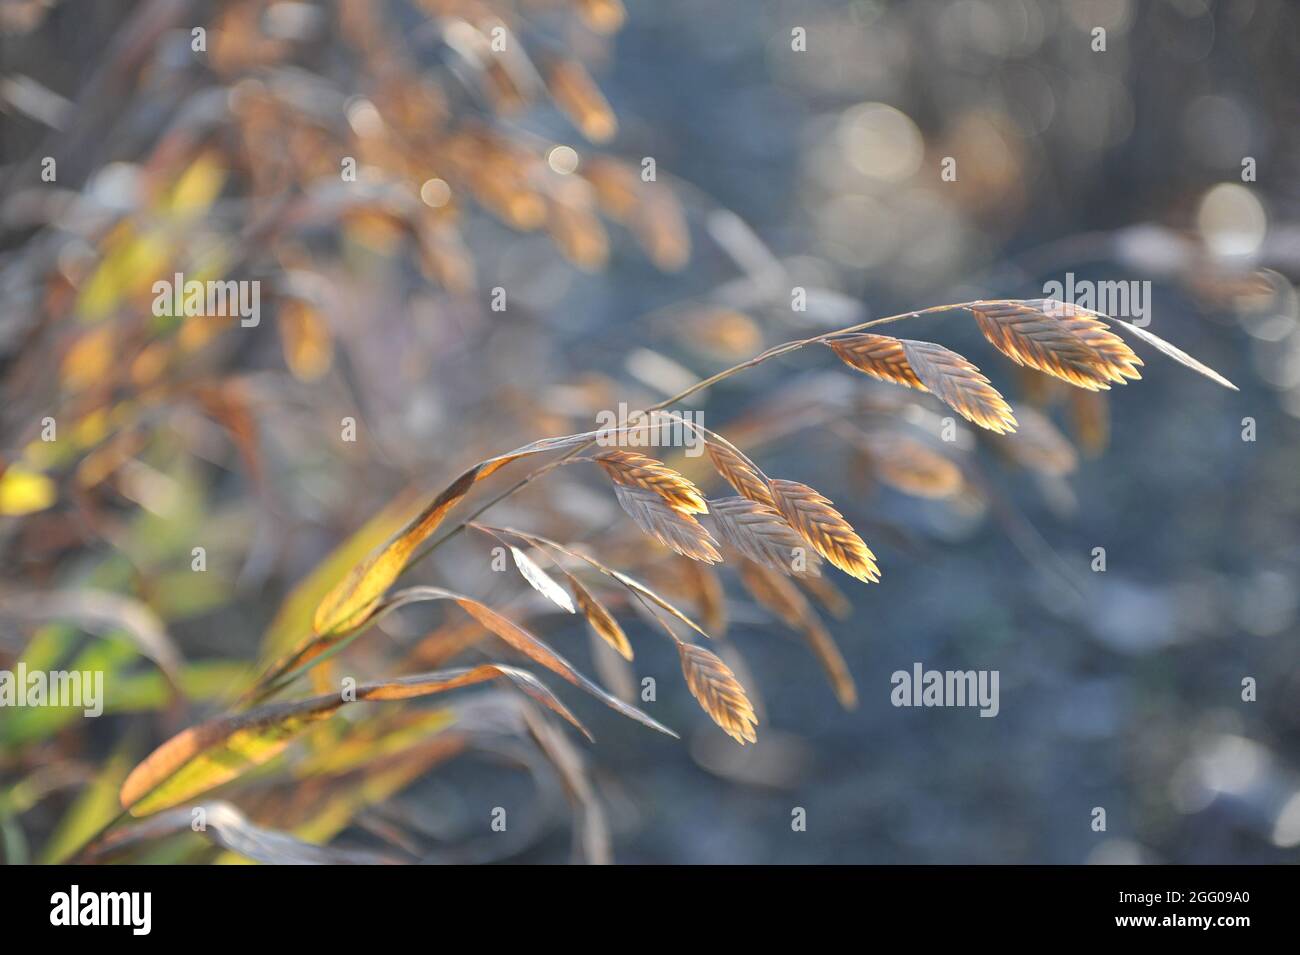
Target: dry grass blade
[(1060, 339), (230, 829), (719, 692), (960, 385), (355, 598), (100, 611), (205, 756), (817, 522), (591, 835), (783, 599), (602, 622), (634, 469), (760, 533), (677, 531), (739, 472)]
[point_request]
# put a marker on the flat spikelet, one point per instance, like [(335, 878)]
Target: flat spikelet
[(719, 692), (739, 473), (760, 533), (825, 528), (633, 469), (879, 356), (958, 383), (1062, 340), (600, 620), (675, 530), (926, 366)]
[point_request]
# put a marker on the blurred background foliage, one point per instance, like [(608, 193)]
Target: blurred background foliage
[(521, 169)]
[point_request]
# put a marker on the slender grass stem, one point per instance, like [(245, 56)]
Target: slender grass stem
[(774, 352)]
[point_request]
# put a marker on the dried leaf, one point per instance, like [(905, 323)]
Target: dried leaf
[(525, 643), (101, 611), (354, 599), (205, 756), (227, 827)]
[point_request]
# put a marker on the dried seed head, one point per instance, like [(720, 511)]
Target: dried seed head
[(1062, 340), (760, 533), (672, 528), (602, 622), (737, 471), (879, 356), (817, 521), (958, 383), (926, 366), (633, 469), (719, 692)]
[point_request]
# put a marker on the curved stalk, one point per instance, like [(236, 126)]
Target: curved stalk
[(774, 352)]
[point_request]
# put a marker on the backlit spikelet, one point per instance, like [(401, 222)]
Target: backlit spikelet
[(926, 366), (958, 383), (600, 620), (737, 471), (825, 528), (1062, 340), (719, 692), (879, 356), (634, 469), (760, 533), (674, 529)]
